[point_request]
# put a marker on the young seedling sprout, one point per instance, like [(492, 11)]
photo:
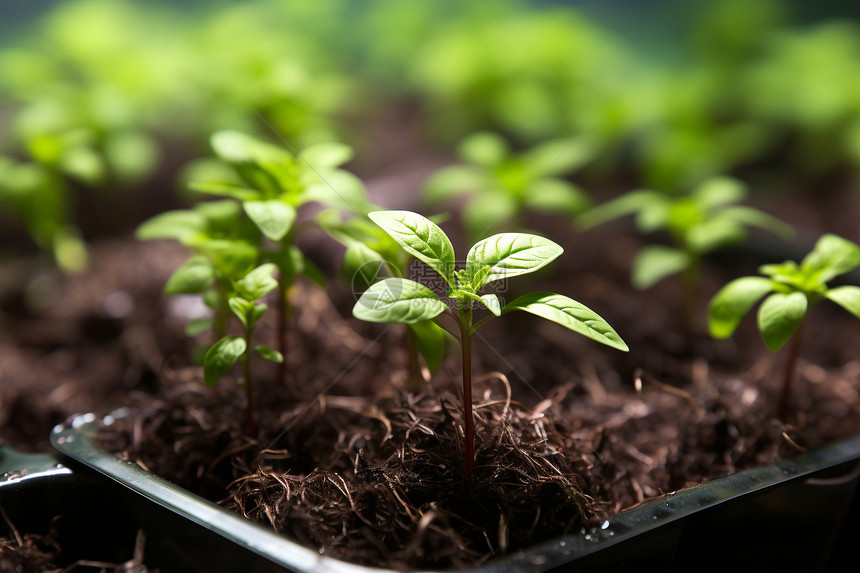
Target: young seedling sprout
[(792, 291), (698, 223), (495, 258), (502, 185), (226, 352)]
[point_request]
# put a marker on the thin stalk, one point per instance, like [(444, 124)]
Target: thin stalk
[(282, 326), (788, 373), (691, 278), (465, 322), (250, 425)]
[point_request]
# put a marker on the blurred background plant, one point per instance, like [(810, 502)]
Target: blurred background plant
[(103, 102)]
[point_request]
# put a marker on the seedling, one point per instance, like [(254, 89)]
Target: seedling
[(231, 349), (272, 184), (792, 291), (502, 185), (495, 258), (706, 219)]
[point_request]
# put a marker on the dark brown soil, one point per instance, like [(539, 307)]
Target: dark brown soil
[(370, 472)]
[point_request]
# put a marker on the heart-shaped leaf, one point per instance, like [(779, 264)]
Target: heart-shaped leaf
[(398, 300)]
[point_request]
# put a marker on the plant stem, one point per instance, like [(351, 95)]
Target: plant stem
[(691, 278), (282, 333), (465, 322), (788, 373), (250, 426)]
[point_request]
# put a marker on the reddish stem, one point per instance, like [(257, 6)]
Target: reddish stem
[(465, 322), (788, 373)]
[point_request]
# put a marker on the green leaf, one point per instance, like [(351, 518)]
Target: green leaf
[(258, 282), (233, 259), (491, 302), (488, 210), (322, 155), (273, 217), (70, 252), (483, 148), (398, 300), (626, 204), (570, 314), (241, 308), (779, 316), (171, 225), (560, 156), (450, 182), (335, 188), (237, 148), (421, 238), (197, 325), (132, 155), (508, 255), (848, 297), (718, 191), (221, 357), (732, 302), (556, 197), (193, 277), (431, 341), (831, 257), (269, 354), (227, 189), (715, 233), (760, 219), (653, 264), (361, 266), (85, 164)]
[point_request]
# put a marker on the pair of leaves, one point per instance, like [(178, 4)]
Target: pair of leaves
[(793, 290), (497, 257)]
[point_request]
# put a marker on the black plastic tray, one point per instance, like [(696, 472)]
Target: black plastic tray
[(799, 515)]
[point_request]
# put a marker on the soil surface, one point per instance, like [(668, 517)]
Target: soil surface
[(351, 460)]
